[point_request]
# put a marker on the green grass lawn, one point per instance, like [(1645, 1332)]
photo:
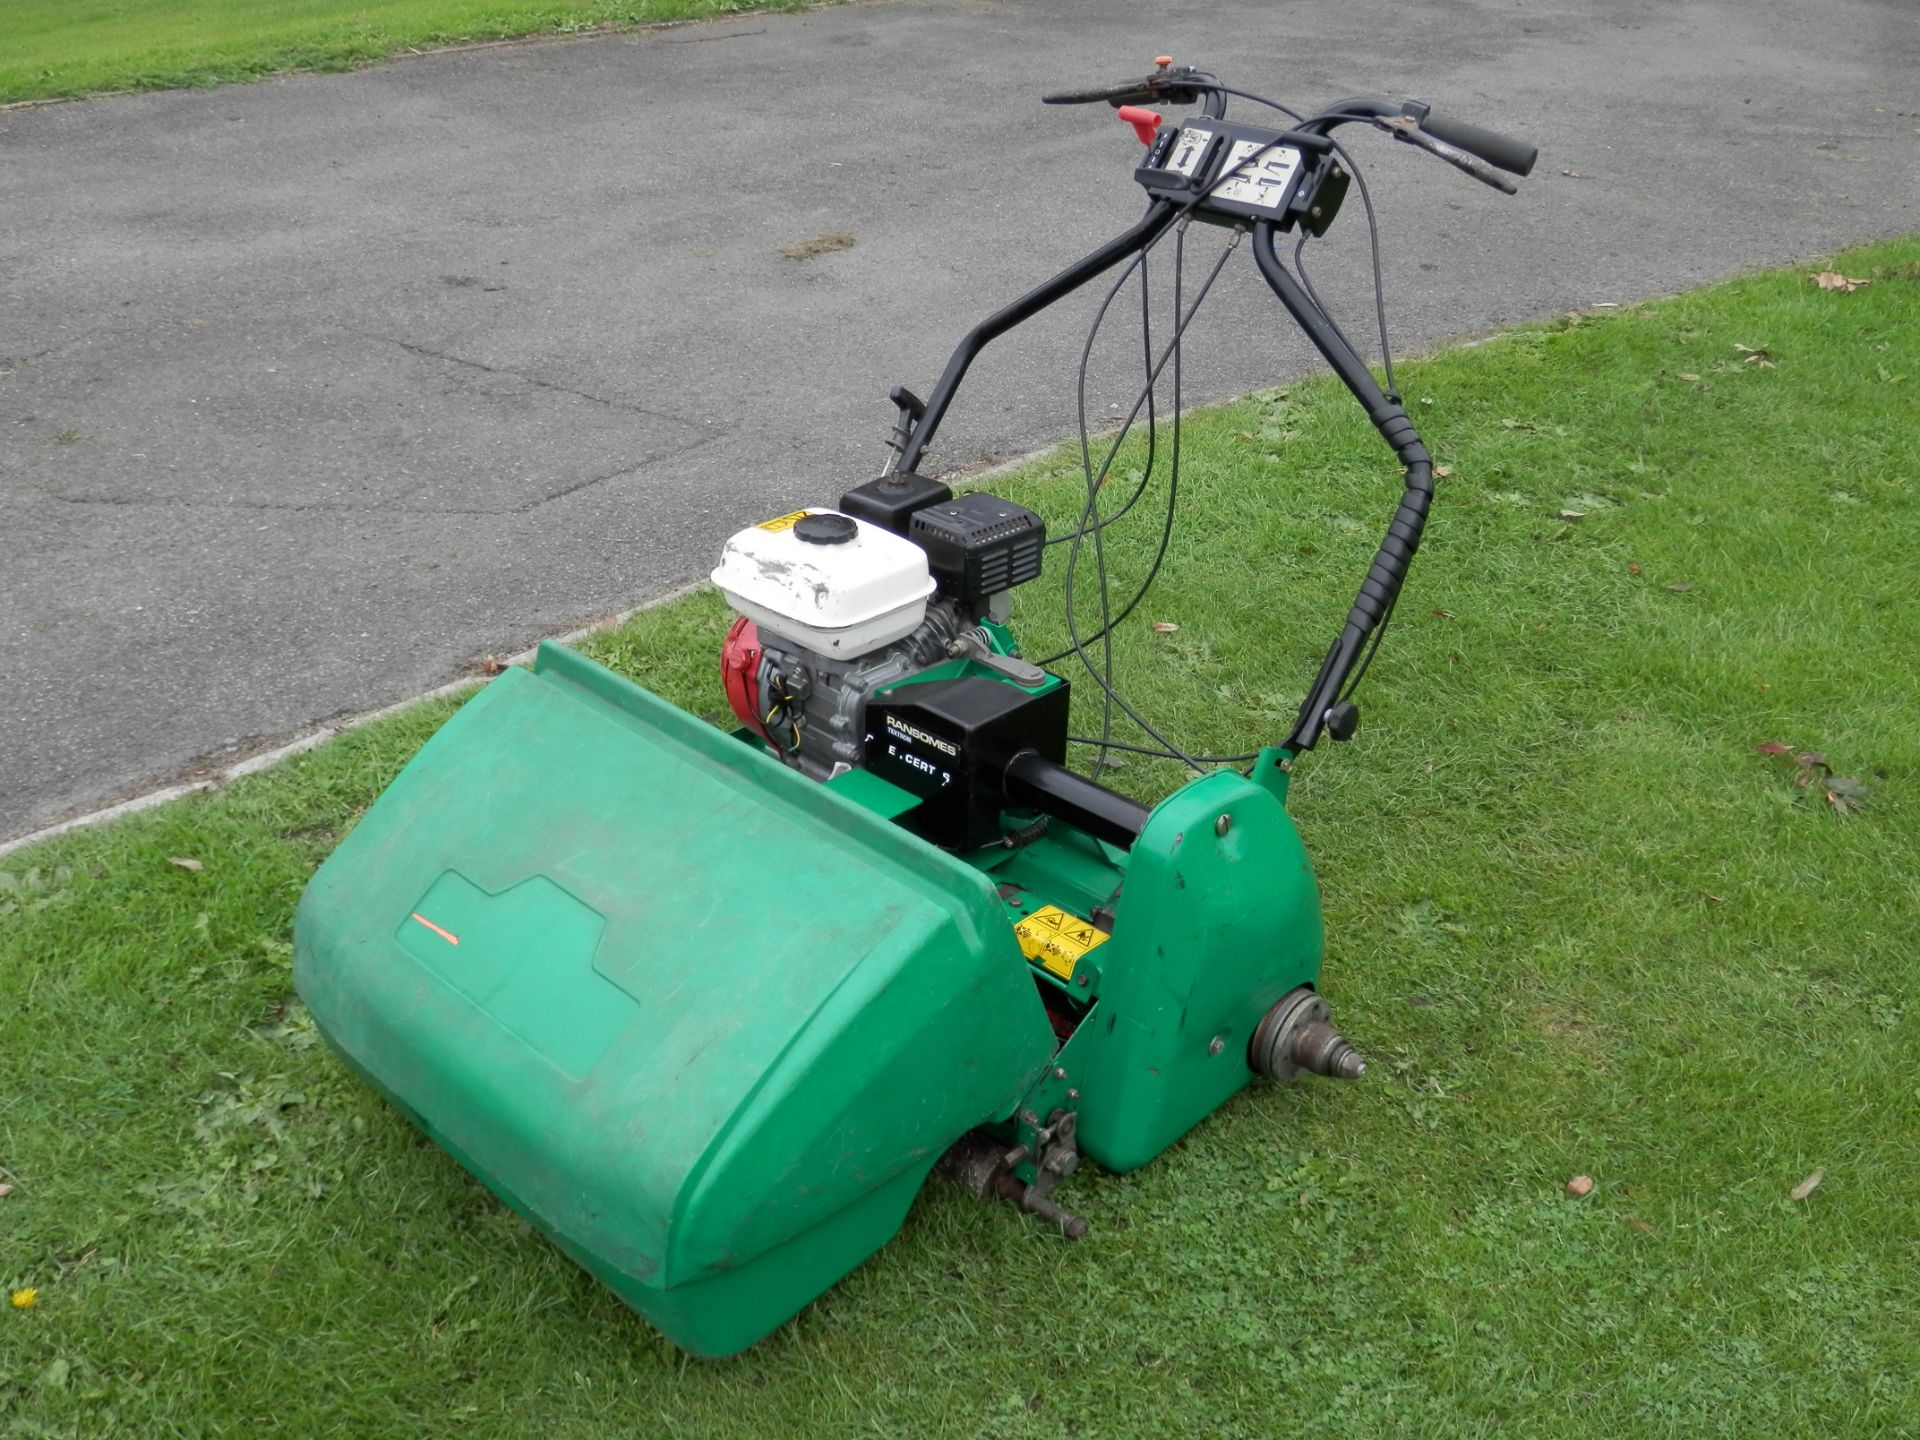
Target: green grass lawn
[(1577, 921), (52, 48)]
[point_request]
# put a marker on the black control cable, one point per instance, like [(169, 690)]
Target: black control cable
[(1110, 620), (1380, 313), (1079, 643), (1146, 337), (1185, 208)]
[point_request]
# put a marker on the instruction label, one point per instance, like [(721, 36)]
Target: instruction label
[(1056, 941), (782, 522)]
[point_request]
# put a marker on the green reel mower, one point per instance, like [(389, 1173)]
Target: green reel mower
[(708, 1008)]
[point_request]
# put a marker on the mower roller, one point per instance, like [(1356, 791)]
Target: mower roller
[(708, 1007)]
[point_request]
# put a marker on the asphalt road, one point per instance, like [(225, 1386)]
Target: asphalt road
[(313, 392)]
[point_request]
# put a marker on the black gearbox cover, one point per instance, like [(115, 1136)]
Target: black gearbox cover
[(949, 742)]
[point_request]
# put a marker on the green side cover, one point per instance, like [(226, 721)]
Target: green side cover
[(705, 1023), (1218, 917)]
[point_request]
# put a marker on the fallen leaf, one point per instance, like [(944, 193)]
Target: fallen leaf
[(1573, 514), (1112, 762), (5, 1190), (1690, 379), (1774, 747), (1845, 794), (1441, 472), (1756, 355), (1680, 587), (492, 665), (184, 863), (1716, 899), (1810, 758), (1633, 567), (1834, 280), (1606, 305), (1807, 1186), (1634, 1222), (1573, 174), (1826, 145), (819, 245), (1580, 1186), (1426, 399), (1165, 627), (1444, 614)]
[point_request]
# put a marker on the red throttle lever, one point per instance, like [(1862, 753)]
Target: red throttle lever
[(1145, 122)]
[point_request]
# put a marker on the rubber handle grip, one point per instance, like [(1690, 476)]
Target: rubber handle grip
[(1516, 157), (1127, 92)]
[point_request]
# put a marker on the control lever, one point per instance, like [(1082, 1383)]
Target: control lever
[(1021, 672), (911, 408), (1145, 123), (1168, 85), (1403, 128)]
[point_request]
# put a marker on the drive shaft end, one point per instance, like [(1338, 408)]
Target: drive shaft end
[(1296, 1035)]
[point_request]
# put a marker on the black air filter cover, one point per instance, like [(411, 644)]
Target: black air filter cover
[(979, 545)]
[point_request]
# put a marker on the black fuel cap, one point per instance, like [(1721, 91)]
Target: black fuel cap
[(826, 528)]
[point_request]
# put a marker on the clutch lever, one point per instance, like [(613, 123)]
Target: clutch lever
[(1402, 127)]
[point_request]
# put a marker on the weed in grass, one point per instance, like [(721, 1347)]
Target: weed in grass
[(1578, 923)]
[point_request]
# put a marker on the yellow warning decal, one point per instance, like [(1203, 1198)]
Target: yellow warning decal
[(781, 522), (1057, 940)]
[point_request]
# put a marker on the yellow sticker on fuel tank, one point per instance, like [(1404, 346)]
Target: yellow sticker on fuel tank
[(1057, 941), (782, 522)]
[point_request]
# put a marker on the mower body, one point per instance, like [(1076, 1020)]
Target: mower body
[(708, 1023), (708, 1008)]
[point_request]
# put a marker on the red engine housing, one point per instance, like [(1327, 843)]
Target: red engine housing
[(740, 674)]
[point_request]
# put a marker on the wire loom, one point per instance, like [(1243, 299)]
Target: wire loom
[(1092, 524)]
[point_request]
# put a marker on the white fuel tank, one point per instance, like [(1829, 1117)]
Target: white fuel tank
[(826, 582)]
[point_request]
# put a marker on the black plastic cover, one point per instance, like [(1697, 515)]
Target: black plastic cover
[(979, 545), (950, 742), (1319, 197), (890, 501)]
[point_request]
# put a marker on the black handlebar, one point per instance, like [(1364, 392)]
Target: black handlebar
[(1461, 145), (1395, 554), (1127, 92), (1516, 157), (1180, 85), (1185, 85)]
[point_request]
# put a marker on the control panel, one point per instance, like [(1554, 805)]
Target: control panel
[(1234, 173)]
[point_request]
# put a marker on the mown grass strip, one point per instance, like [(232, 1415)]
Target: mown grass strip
[(65, 48)]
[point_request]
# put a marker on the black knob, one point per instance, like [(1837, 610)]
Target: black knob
[(1342, 720), (826, 528)]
